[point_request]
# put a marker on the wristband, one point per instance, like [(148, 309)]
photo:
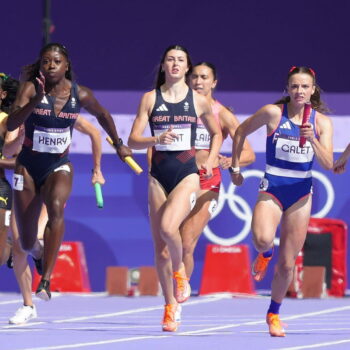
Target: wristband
[(118, 144), (234, 170)]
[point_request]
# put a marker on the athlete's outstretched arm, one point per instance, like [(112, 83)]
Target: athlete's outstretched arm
[(26, 100), (230, 124), (323, 146), (87, 128), (90, 103), (339, 164), (266, 116), (204, 111)]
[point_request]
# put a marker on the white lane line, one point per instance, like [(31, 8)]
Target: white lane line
[(115, 314), (189, 333), (16, 301), (319, 345), (128, 312), (103, 342), (253, 323)]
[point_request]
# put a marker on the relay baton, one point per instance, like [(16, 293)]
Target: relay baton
[(306, 118), (98, 193), (128, 160)]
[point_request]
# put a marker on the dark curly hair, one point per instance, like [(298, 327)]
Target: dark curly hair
[(10, 85)]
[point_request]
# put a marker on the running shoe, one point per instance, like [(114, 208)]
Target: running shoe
[(259, 267), (169, 323), (181, 286), (23, 315), (275, 325), (43, 291)]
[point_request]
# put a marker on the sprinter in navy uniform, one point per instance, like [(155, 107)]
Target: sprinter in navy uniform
[(172, 110), (286, 188), (48, 104)]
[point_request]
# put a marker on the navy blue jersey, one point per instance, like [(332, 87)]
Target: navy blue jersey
[(48, 136), (47, 132), (172, 163), (181, 116)]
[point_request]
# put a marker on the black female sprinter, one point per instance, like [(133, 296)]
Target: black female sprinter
[(48, 104)]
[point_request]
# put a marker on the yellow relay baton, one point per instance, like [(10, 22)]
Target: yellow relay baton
[(128, 160)]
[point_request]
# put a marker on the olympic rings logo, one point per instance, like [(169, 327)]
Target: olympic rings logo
[(242, 210)]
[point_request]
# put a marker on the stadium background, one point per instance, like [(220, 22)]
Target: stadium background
[(115, 47)]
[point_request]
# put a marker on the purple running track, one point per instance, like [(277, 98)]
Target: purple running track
[(220, 322)]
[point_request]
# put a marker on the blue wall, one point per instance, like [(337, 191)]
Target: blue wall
[(116, 45)]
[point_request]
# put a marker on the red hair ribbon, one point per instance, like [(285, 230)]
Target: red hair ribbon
[(312, 72), (291, 70)]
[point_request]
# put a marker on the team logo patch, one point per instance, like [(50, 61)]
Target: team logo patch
[(264, 184), (73, 102), (186, 106)]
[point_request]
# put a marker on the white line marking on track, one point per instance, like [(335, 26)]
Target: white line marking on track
[(319, 345), (16, 301), (115, 314), (128, 312), (308, 314), (112, 341), (205, 331)]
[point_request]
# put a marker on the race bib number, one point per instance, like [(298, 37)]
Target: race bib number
[(183, 143), (202, 137), (288, 149), (17, 182), (51, 140)]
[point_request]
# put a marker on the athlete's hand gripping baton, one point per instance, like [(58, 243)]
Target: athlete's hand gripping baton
[(306, 118), (128, 160), (98, 193)]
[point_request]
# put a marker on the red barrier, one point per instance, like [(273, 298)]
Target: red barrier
[(338, 231), (226, 269), (70, 273)]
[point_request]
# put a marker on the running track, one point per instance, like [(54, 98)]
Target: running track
[(220, 322)]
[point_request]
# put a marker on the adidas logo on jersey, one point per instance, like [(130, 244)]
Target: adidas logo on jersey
[(44, 100), (286, 125), (162, 108)]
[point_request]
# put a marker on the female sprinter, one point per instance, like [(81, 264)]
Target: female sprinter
[(8, 90), (172, 110), (48, 105), (285, 190), (203, 79), (20, 262)]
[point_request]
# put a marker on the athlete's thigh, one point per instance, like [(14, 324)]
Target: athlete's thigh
[(294, 226), (266, 217), (4, 227), (180, 202), (27, 201), (58, 186), (156, 204), (193, 225)]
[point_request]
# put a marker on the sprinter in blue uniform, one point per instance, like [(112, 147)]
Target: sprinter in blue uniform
[(172, 110), (48, 104), (286, 188)]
